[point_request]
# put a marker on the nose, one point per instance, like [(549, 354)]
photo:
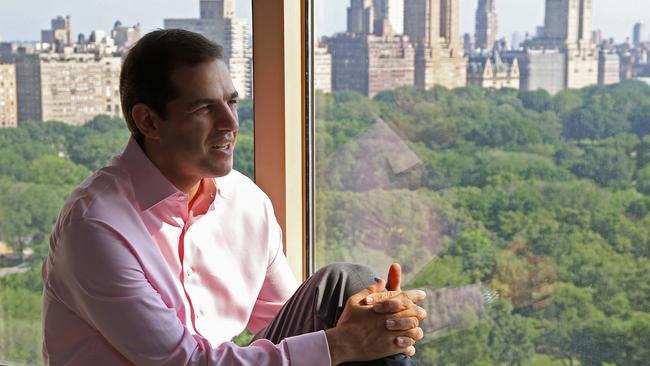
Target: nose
[(227, 118)]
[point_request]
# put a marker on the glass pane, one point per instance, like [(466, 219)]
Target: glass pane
[(502, 163), (61, 119)]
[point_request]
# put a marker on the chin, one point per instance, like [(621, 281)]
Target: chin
[(221, 171)]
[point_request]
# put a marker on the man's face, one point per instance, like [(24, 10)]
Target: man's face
[(199, 134)]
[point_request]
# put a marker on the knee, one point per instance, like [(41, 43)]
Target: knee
[(355, 271)]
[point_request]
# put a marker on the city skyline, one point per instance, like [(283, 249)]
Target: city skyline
[(615, 18)]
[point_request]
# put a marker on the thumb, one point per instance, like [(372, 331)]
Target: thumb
[(359, 297), (394, 277)]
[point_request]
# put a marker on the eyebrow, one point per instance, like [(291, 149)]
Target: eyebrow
[(201, 101)]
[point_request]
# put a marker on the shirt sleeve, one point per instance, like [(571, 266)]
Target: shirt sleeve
[(107, 287)]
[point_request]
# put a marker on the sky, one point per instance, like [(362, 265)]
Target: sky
[(24, 19)]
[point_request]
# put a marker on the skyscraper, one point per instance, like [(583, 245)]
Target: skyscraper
[(433, 26), (370, 64), (60, 33), (360, 17), (486, 24), (637, 35), (217, 9), (388, 16), (8, 98), (322, 69), (567, 27), (218, 23), (564, 20), (71, 88), (370, 59)]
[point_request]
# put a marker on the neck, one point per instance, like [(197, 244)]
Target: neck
[(189, 185)]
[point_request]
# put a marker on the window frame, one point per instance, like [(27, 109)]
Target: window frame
[(282, 109)]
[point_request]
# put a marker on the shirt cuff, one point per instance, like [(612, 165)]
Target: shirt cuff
[(310, 349)]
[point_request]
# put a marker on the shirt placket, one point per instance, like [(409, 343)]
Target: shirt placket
[(185, 260)]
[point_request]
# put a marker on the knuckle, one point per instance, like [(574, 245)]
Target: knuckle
[(415, 322)]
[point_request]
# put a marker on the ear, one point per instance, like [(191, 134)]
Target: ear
[(146, 120)]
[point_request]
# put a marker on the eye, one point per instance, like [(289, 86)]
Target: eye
[(233, 102), (202, 109)]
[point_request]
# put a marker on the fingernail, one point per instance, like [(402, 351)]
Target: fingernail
[(421, 293), (401, 341), (378, 306), (390, 323), (369, 300)]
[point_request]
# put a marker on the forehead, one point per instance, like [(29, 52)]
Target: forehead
[(209, 79)]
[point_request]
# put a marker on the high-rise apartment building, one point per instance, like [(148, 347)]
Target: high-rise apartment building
[(370, 64), (486, 24), (238, 55), (124, 36), (388, 17), (217, 9), (597, 36), (567, 25), (360, 17), (468, 43), (433, 26), (28, 84), (609, 67), (370, 57), (322, 69), (60, 33), (542, 68), (7, 50), (567, 29), (218, 23), (8, 97), (72, 88), (637, 33)]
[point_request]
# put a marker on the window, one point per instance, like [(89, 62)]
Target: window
[(55, 136), (522, 210)]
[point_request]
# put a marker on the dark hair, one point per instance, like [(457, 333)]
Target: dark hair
[(146, 71)]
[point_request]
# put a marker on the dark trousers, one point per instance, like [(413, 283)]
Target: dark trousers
[(318, 304)]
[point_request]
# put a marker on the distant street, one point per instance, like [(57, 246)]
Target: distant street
[(6, 271)]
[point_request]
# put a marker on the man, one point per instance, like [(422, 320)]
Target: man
[(165, 255)]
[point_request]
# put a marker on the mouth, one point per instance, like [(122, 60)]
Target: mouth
[(225, 148)]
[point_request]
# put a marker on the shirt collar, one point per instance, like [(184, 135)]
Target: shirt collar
[(150, 186)]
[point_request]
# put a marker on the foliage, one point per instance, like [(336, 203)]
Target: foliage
[(545, 200)]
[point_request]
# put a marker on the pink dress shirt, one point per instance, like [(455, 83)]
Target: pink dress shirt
[(134, 276)]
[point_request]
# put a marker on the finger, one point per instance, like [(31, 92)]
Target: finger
[(414, 295), (360, 297), (410, 351), (412, 312), (380, 296), (402, 323), (397, 303), (404, 342), (394, 277), (414, 334)]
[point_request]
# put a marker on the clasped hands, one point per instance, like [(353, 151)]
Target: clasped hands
[(376, 323)]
